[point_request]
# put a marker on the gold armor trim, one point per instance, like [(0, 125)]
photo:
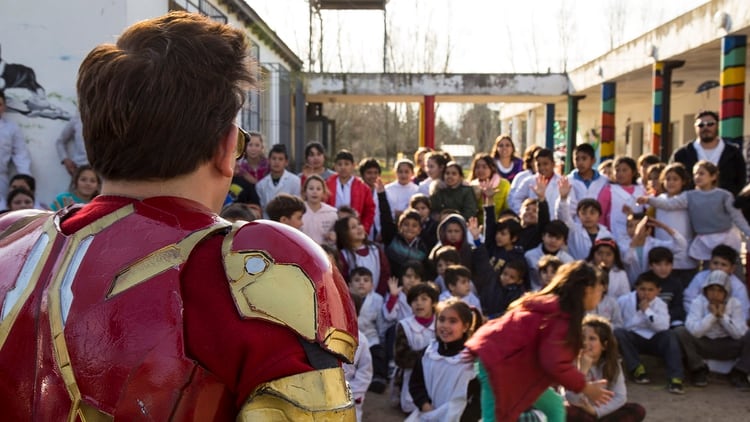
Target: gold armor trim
[(311, 396), (261, 288), (341, 342), (7, 323), (22, 222), (79, 410), (161, 260)]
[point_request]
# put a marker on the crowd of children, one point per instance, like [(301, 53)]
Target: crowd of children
[(431, 257)]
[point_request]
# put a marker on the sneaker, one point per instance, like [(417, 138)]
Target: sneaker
[(377, 386), (640, 376), (675, 386), (700, 377), (739, 380)]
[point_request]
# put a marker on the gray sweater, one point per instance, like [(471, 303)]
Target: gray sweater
[(710, 211)]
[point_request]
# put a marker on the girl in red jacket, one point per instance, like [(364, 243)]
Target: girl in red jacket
[(534, 345)]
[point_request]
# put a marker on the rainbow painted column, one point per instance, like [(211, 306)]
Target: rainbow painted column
[(607, 147), (661, 141), (733, 48), (658, 85)]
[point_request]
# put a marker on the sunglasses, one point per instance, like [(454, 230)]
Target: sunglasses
[(242, 139), (704, 124)]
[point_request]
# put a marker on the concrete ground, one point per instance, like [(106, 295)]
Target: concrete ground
[(718, 402)]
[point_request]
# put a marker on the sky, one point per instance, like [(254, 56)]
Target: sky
[(467, 36), (472, 36)]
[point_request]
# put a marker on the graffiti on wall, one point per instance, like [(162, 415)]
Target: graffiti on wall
[(25, 95)]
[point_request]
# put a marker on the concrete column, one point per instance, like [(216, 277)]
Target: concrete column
[(531, 127), (572, 130), (515, 127), (549, 126), (662, 91), (733, 48), (299, 125), (429, 121)]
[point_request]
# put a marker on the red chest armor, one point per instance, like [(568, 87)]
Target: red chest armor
[(92, 322)]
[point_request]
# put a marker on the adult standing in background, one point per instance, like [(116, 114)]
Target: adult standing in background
[(709, 146), (504, 154), (12, 148), (315, 161), (70, 145)]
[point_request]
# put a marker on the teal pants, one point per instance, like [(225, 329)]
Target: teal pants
[(550, 403)]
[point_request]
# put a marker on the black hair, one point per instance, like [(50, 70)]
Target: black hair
[(647, 277), (606, 242), (415, 265), (237, 211), (725, 252), (589, 203), (18, 191), (344, 154), (713, 114), (660, 254), (26, 178), (468, 314), (630, 163), (544, 153), (453, 272), (447, 253), (278, 149), (511, 225), (519, 265), (586, 149), (426, 288), (314, 145), (366, 164), (410, 213), (360, 271), (556, 228)]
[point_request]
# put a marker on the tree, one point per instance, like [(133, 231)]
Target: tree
[(481, 125)]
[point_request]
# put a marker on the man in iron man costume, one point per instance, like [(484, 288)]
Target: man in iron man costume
[(143, 304)]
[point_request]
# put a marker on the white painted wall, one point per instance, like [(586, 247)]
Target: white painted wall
[(53, 37)]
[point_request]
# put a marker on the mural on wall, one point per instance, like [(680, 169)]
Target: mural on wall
[(24, 93)]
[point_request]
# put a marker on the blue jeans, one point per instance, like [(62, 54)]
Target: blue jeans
[(663, 344)]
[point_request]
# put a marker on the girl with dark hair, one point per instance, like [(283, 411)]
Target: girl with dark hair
[(315, 161), (600, 360), (443, 384), (357, 251), (436, 162), (504, 155), (605, 254), (84, 186), (420, 164), (534, 344), (617, 197), (454, 195), (489, 187)]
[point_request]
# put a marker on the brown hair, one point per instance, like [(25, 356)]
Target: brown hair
[(156, 104), (284, 205), (569, 285), (469, 315), (610, 355), (710, 169), (316, 178), (500, 138), (483, 156)]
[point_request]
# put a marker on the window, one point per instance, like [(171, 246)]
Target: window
[(198, 6)]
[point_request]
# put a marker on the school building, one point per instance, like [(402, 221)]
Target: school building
[(639, 97)]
